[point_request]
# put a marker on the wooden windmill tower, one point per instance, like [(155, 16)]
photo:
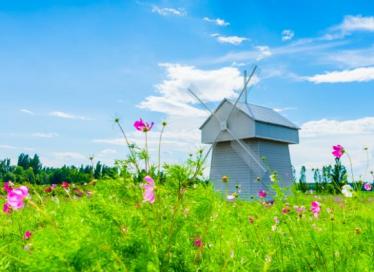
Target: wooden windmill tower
[(248, 142)]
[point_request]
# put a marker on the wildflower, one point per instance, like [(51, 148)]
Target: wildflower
[(48, 189), (338, 151), (16, 197), (315, 208), (347, 190), (358, 230), (367, 187), (251, 219), (299, 210), (7, 186), (273, 177), (285, 210), (140, 125), (65, 185), (225, 179), (274, 227), (198, 243), (27, 235), (6, 208), (78, 192), (53, 186), (231, 198), (149, 194), (262, 194), (276, 220)]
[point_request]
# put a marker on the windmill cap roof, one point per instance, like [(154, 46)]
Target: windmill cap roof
[(260, 114)]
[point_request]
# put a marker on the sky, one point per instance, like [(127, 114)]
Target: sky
[(68, 68)]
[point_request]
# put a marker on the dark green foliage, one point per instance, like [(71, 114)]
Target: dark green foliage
[(30, 170)]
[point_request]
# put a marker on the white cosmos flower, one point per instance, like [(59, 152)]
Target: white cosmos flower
[(347, 190), (230, 198)]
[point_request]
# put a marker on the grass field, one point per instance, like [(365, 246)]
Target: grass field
[(108, 227)]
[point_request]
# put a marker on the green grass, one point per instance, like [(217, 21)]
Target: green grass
[(113, 230)]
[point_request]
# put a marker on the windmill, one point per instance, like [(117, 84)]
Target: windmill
[(248, 142)]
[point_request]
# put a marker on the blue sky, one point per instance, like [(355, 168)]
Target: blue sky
[(68, 67)]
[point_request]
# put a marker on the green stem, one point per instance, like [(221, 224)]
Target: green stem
[(159, 150), (146, 152), (129, 147)]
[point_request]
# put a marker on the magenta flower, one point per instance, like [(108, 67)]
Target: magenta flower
[(367, 187), (140, 125), (7, 208), (7, 187), (198, 243), (27, 235), (65, 185), (338, 151), (315, 208), (262, 194), (16, 197), (149, 194)]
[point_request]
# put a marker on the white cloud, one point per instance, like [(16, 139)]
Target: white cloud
[(65, 115), (44, 135), (27, 111), (209, 85), (217, 21), (263, 52), (334, 127), (234, 40), (358, 74), (168, 11), (351, 58), (349, 25), (318, 137), (357, 23), (287, 35)]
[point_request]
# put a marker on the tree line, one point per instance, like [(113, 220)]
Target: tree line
[(30, 169)]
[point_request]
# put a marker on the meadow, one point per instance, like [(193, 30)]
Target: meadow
[(108, 227), (173, 220)]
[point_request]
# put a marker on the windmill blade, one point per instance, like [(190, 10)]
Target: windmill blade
[(246, 149), (203, 104), (242, 91), (198, 99)]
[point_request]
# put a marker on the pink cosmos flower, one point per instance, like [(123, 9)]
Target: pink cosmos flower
[(338, 151), (299, 209), (198, 242), (315, 208), (149, 194), (262, 194), (367, 186), (65, 185), (7, 187), (27, 235), (140, 125), (7, 208), (16, 197)]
